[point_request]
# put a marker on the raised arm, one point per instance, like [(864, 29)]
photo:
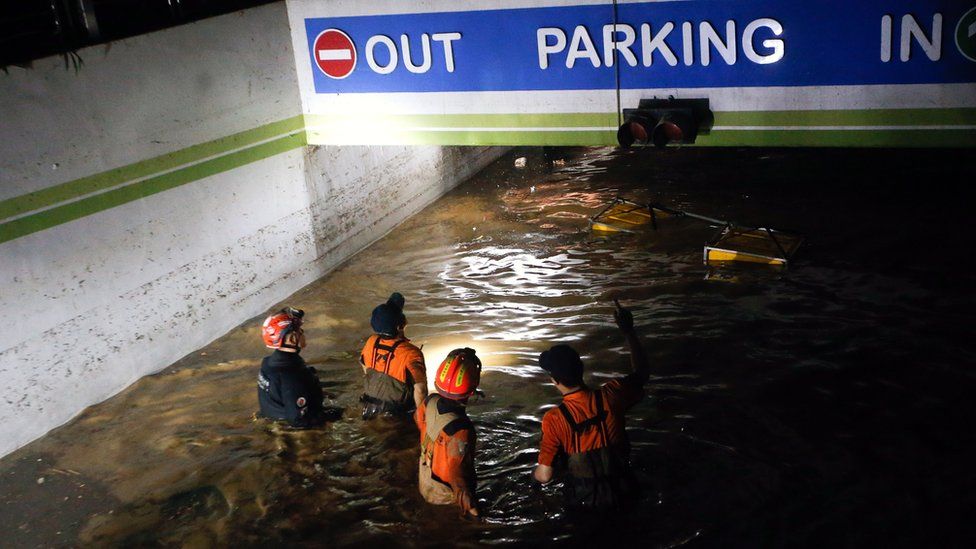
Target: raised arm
[(638, 358)]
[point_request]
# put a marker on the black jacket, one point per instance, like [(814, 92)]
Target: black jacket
[(289, 390)]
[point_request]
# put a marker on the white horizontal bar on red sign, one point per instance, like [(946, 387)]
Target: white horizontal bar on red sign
[(335, 55)]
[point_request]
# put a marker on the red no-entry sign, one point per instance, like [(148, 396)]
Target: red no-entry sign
[(335, 54)]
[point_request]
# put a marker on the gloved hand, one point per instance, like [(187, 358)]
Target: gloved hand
[(624, 318)]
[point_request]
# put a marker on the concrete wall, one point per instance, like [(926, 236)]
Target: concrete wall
[(162, 195)]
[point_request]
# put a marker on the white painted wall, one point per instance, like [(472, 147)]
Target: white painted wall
[(103, 300), (145, 96)]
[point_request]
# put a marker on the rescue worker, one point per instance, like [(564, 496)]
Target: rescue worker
[(447, 436), (588, 428), (288, 390), (396, 377)]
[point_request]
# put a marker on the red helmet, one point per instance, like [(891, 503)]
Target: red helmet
[(276, 328), (458, 376)]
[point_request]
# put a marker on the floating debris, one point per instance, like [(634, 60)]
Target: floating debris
[(732, 243)]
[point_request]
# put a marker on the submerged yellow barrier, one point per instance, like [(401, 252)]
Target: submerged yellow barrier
[(761, 245), (625, 216), (731, 244)]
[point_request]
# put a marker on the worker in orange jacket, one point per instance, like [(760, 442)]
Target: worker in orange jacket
[(396, 377), (588, 427), (447, 436)]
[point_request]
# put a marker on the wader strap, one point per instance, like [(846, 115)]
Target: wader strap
[(390, 349), (597, 420), (572, 426), (603, 418), (436, 422)]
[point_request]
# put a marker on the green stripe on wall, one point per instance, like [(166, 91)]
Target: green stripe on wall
[(725, 138), (875, 117), (601, 129), (323, 125), (461, 137), (839, 138), (530, 120), (72, 189), (575, 129), (147, 187)]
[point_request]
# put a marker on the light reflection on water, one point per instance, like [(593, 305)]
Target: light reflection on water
[(756, 400)]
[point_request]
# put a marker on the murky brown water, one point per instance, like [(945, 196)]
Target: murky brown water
[(830, 405)]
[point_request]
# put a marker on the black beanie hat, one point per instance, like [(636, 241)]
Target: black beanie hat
[(386, 318)]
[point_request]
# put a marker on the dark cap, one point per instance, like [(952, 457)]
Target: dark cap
[(389, 316), (564, 365)]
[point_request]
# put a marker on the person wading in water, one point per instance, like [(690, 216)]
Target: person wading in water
[(288, 390), (396, 378), (447, 436), (588, 427)]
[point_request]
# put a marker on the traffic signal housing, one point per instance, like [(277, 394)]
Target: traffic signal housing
[(663, 121)]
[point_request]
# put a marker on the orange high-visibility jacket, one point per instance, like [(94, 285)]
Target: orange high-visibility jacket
[(393, 366), (447, 450)]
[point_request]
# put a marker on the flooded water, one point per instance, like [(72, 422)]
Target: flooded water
[(828, 405)]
